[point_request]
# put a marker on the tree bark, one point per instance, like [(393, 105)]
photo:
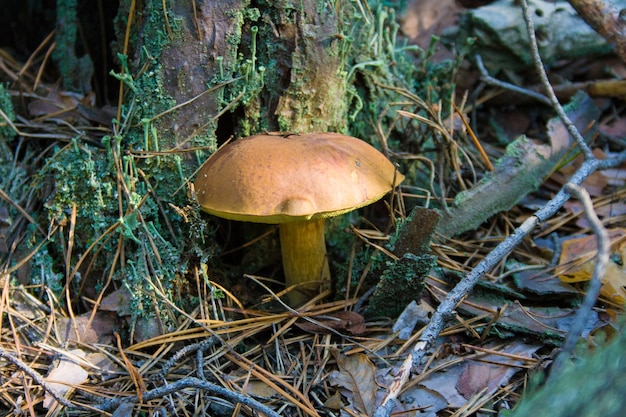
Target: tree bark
[(281, 67)]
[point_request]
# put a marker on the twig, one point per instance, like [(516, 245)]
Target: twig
[(456, 295), (37, 378), (488, 79), (191, 382), (199, 348), (530, 28), (602, 259)]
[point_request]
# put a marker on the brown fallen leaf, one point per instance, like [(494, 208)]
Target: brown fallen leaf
[(425, 18), (341, 321), (118, 301), (494, 370), (260, 389), (357, 375), (616, 128), (88, 329), (107, 368), (334, 402), (61, 105)]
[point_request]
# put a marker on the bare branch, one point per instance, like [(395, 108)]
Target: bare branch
[(530, 26), (488, 79), (602, 259), (191, 382), (37, 378)]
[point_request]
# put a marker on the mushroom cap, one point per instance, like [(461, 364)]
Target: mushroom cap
[(277, 179)]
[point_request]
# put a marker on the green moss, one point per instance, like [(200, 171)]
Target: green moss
[(590, 385), (401, 283), (86, 181), (414, 234)]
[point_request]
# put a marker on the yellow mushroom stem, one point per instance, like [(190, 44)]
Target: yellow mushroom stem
[(304, 257)]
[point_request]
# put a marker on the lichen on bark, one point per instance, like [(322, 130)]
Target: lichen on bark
[(315, 97)]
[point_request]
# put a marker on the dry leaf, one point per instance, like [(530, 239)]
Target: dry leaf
[(412, 315), (493, 370), (577, 263), (334, 402), (64, 376), (118, 301), (479, 376), (615, 129), (595, 183), (87, 329), (342, 321), (425, 18), (357, 374), (107, 367), (610, 209), (61, 105), (260, 389)]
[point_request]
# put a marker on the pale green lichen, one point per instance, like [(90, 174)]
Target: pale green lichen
[(380, 68)]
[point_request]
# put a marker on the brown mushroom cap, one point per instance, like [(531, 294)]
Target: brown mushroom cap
[(277, 179)]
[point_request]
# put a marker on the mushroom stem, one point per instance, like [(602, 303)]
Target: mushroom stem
[(304, 257)]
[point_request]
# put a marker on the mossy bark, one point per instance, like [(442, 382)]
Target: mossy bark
[(590, 385), (275, 67), (521, 170), (315, 97), (76, 72), (175, 56)]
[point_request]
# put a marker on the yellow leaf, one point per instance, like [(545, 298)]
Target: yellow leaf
[(614, 283), (577, 263)]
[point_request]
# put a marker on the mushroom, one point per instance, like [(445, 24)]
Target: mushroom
[(296, 181)]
